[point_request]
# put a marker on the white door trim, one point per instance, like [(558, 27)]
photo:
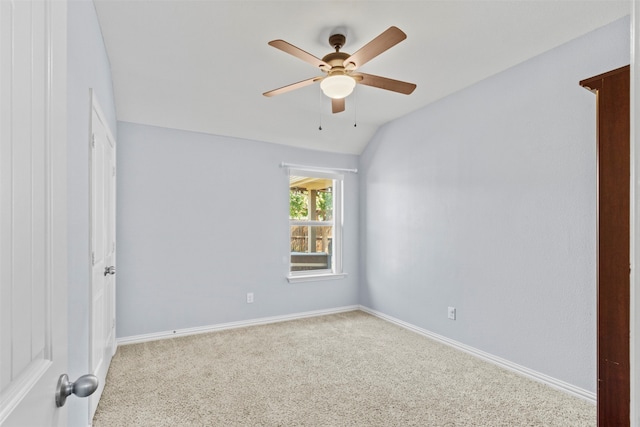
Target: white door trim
[(102, 342)]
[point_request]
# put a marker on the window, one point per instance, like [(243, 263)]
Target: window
[(315, 225)]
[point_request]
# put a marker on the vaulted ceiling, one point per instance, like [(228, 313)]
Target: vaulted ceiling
[(203, 65)]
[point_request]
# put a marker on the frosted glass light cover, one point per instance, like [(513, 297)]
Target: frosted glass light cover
[(337, 87)]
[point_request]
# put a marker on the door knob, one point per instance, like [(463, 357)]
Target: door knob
[(110, 270), (83, 387)]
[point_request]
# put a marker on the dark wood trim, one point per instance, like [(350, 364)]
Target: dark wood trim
[(612, 89), (593, 82)]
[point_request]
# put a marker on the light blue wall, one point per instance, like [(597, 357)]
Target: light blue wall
[(202, 220), (486, 201), (88, 67)]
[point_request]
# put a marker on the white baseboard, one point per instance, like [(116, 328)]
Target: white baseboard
[(231, 325), (529, 373)]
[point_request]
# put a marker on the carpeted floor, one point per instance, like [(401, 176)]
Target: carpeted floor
[(348, 369)]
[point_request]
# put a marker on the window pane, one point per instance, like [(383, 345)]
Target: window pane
[(298, 203), (310, 198), (324, 205), (311, 247)]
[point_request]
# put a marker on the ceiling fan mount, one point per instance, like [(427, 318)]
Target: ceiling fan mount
[(336, 41), (340, 78)]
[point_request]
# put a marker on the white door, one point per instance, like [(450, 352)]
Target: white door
[(103, 250), (33, 251)]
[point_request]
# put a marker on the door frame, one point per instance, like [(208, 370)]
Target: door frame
[(634, 346), (614, 208), (111, 347)]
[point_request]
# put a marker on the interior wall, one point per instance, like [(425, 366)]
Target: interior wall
[(203, 220), (88, 67), (486, 201)]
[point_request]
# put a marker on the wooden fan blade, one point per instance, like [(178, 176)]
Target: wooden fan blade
[(391, 37), (384, 83), (337, 105), (299, 53), (293, 86)]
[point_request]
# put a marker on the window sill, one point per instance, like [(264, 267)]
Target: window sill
[(316, 277)]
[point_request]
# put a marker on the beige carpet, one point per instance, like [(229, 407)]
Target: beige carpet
[(349, 369)]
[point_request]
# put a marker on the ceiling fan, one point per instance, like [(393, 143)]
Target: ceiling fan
[(340, 78)]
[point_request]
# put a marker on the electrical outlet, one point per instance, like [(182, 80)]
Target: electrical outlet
[(451, 313), (249, 297)]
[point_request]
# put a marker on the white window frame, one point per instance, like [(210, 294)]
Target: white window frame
[(336, 270)]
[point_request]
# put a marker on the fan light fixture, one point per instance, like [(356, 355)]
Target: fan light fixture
[(340, 74), (337, 87)]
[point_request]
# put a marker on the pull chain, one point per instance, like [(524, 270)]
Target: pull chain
[(355, 107), (320, 111)]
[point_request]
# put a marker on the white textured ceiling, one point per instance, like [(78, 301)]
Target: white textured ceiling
[(203, 65)]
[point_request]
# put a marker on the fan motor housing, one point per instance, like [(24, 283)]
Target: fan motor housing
[(336, 60)]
